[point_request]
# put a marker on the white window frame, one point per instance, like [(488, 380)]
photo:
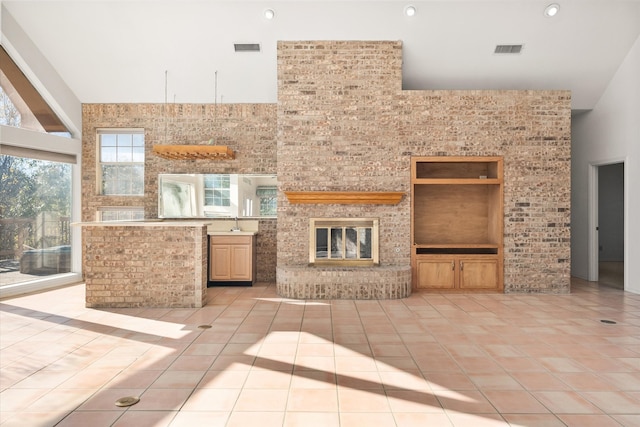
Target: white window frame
[(128, 211), (66, 147), (100, 163), (69, 109), (213, 190), (270, 201)]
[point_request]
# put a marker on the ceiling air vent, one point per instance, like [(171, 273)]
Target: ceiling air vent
[(508, 48), (246, 47)]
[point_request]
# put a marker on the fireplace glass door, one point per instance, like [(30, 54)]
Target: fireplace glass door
[(344, 241)]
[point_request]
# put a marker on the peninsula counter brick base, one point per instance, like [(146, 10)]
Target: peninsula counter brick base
[(145, 265)]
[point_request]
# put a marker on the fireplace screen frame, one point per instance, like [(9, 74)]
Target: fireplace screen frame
[(336, 235)]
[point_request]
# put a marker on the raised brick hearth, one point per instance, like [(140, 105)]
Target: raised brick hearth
[(378, 282)]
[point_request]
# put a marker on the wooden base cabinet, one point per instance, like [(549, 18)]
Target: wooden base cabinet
[(457, 216), (232, 258), (458, 273)]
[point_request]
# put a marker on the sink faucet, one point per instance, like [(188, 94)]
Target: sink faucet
[(236, 228)]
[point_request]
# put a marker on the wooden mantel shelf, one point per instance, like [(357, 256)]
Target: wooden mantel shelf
[(345, 197), (194, 152)]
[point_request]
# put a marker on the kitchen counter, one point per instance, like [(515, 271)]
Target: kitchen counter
[(146, 223), (232, 233)]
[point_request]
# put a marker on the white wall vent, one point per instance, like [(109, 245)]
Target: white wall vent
[(508, 48), (246, 47)]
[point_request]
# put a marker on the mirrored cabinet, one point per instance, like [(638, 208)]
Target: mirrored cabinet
[(217, 196)]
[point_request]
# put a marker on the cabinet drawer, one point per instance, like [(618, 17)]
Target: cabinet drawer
[(231, 240)]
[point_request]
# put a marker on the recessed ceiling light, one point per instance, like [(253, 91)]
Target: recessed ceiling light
[(269, 14), (552, 10), (410, 10)]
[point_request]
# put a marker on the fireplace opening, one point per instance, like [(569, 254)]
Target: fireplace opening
[(343, 241)]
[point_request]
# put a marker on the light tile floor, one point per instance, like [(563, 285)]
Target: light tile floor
[(427, 360)]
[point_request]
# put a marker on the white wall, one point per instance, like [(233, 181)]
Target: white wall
[(40, 73), (609, 133), (69, 109)]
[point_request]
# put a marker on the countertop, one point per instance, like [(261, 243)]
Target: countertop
[(231, 233), (214, 227), (145, 223)]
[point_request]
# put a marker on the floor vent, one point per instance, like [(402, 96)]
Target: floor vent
[(508, 48)]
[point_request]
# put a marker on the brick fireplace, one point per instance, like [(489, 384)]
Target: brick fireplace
[(346, 124), (344, 264)]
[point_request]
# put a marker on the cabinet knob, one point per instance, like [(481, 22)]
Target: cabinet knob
[(461, 265), (453, 265)]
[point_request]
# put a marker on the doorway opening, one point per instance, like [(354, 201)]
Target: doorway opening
[(610, 225)]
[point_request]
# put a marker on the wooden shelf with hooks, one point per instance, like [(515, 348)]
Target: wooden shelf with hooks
[(194, 152)]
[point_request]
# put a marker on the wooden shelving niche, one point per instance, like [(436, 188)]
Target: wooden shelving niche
[(457, 224)]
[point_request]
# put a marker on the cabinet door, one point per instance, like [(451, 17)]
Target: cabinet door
[(478, 273), (219, 262), (240, 262), (435, 273)]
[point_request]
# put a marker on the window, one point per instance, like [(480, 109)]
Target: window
[(120, 213), (268, 200), (35, 217), (121, 157), (217, 190), (38, 172), (9, 114)]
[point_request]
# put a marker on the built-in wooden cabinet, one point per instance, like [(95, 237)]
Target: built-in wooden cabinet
[(232, 258), (457, 223), (458, 272)]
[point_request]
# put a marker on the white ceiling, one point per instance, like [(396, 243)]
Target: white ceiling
[(119, 50)]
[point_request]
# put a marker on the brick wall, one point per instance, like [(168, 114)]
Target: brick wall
[(334, 114), (345, 124), (249, 129)]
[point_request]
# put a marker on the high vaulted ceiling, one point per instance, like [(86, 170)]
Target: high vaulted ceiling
[(182, 50)]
